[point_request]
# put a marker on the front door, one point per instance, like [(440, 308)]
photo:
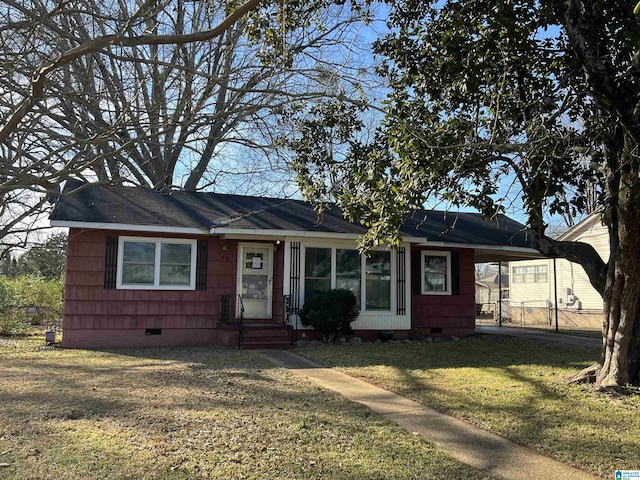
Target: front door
[(255, 270)]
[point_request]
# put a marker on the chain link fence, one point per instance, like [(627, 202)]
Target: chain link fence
[(489, 313), (536, 313)]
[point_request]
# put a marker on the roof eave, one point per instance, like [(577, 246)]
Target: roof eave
[(230, 232), (129, 227), (586, 224), (490, 252), (502, 251)]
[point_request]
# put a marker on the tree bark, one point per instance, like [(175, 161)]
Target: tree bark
[(620, 353), (611, 93), (620, 356)]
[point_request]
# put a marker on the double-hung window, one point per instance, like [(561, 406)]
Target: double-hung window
[(369, 278), (156, 263), (530, 274), (378, 281), (436, 273), (348, 268)]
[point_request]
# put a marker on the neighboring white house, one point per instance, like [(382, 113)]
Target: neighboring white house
[(532, 282), (487, 288), (487, 296)]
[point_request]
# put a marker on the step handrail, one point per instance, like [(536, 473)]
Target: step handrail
[(240, 321), (287, 320)]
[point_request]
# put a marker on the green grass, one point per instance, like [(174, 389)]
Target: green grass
[(515, 388), (189, 413)]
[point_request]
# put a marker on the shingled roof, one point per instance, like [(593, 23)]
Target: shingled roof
[(107, 206)]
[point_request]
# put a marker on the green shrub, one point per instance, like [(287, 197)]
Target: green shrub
[(6, 293), (330, 312), (13, 321), (17, 294), (9, 323), (36, 291), (385, 335)]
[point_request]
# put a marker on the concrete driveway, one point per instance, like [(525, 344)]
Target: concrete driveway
[(542, 336)]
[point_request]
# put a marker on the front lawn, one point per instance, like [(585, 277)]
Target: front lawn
[(190, 413), (515, 388)]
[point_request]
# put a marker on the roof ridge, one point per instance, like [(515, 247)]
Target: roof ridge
[(255, 211)]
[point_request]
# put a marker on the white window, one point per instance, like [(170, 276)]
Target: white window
[(317, 266), (378, 286), (530, 274), (156, 263), (436, 273), (348, 272), (369, 278)]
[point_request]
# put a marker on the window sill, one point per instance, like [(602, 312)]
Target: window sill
[(156, 287)]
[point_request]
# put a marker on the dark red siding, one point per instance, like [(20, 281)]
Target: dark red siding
[(453, 314), (97, 316)]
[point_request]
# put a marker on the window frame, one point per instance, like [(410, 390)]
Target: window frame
[(538, 273), (332, 268), (541, 274), (435, 253), (336, 277), (157, 241), (364, 277), (363, 288)]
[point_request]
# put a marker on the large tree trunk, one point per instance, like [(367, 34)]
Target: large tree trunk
[(612, 93), (618, 280), (620, 357), (620, 350)]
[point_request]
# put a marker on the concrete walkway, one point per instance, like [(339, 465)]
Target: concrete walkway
[(542, 336), (478, 448)]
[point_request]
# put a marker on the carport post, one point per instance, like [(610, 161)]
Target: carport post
[(500, 293), (555, 291)]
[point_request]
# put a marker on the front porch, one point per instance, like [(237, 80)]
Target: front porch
[(253, 333)]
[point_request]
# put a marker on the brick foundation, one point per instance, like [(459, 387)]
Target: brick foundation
[(138, 337)]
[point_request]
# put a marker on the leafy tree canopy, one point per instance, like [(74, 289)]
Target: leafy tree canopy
[(45, 260), (541, 94)]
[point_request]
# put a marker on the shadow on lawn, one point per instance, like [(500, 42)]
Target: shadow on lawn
[(120, 381), (476, 351), (209, 402), (543, 415), (547, 419)]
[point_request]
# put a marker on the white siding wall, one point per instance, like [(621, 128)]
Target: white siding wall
[(532, 293), (573, 276), (482, 294)]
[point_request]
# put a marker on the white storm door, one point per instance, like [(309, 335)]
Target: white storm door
[(255, 271)]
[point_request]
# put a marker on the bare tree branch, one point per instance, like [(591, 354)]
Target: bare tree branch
[(40, 74)]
